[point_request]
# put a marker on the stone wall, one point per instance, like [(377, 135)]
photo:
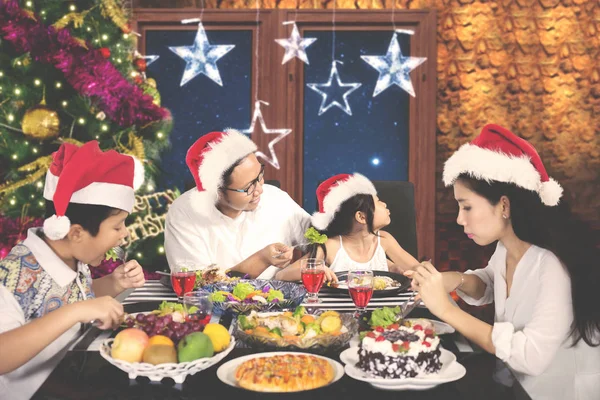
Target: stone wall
[(532, 66)]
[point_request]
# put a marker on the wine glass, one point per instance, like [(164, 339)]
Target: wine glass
[(313, 275), (360, 286), (183, 280), (197, 308)]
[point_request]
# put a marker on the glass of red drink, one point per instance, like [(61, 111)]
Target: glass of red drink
[(360, 286), (313, 275), (197, 308), (183, 280)]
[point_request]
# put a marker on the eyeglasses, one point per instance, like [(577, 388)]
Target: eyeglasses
[(252, 185)]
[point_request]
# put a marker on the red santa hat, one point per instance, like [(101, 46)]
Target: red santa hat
[(208, 159), (335, 191), (497, 154), (87, 175)]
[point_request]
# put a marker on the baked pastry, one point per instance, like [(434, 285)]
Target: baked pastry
[(398, 352), (284, 373)]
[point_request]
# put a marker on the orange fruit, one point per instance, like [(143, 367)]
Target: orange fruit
[(160, 339)]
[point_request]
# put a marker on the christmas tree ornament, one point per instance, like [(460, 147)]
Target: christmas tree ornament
[(201, 57), (394, 68), (40, 122), (295, 46), (140, 64), (105, 51), (282, 133), (334, 88)]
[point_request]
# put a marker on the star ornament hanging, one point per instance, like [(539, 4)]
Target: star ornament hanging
[(334, 88), (201, 58), (295, 46), (150, 59), (394, 68), (281, 133)]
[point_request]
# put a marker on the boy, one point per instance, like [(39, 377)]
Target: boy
[(46, 289)]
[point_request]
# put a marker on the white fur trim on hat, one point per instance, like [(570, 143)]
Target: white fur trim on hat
[(56, 228), (233, 147), (339, 193), (139, 173), (550, 192), (99, 193), (491, 165)]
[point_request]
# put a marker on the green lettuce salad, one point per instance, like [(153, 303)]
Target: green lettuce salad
[(313, 236)]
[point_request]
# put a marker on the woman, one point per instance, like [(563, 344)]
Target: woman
[(543, 276)]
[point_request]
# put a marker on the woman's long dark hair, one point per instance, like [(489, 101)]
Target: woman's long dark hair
[(343, 220), (557, 230)]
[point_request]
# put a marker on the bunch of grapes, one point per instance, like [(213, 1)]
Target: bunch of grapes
[(154, 325)]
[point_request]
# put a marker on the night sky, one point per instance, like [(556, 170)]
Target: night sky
[(373, 141)]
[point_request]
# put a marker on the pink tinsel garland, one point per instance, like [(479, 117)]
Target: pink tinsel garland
[(86, 70)]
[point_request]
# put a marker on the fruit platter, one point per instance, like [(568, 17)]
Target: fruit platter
[(163, 344), (254, 295), (317, 332), (208, 276)]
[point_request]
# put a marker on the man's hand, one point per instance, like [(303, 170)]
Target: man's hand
[(277, 254), (128, 275)]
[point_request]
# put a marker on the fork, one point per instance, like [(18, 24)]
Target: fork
[(406, 308), (121, 255), (291, 247)]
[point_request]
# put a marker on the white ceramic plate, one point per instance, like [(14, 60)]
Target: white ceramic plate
[(226, 372), (440, 328), (451, 371)]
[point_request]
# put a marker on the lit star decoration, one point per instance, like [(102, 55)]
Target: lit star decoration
[(150, 59), (332, 86), (295, 46), (280, 132), (201, 57), (394, 68)]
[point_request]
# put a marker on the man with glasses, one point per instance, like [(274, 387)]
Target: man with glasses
[(231, 218)]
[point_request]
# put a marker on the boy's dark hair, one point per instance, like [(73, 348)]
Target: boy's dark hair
[(89, 216), (343, 220), (557, 230), (229, 171)]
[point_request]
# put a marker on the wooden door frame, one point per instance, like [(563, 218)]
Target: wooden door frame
[(285, 91)]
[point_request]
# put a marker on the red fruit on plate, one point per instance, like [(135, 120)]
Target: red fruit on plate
[(380, 339), (379, 329), (370, 334), (418, 327)]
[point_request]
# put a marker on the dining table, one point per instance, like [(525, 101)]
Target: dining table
[(84, 374)]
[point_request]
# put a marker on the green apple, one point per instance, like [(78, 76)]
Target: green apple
[(194, 346)]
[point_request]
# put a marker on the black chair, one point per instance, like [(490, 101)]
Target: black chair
[(400, 199)]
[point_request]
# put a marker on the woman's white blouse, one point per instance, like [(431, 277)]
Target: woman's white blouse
[(531, 329)]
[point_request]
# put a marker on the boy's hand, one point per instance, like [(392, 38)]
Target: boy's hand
[(277, 254), (129, 275), (104, 309)]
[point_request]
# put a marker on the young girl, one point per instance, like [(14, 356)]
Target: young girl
[(543, 276), (352, 216)]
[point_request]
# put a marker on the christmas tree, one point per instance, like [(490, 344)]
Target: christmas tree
[(69, 72)]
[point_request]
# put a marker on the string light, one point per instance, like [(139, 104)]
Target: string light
[(13, 202), (88, 29), (11, 117), (150, 188), (125, 36), (159, 135), (37, 82), (14, 156), (58, 85), (96, 40), (17, 91), (72, 7), (97, 137), (29, 4), (64, 103), (39, 184), (134, 74), (104, 128), (32, 196), (81, 121), (119, 60), (1, 74), (35, 150), (161, 249), (19, 63), (43, 12), (375, 161), (138, 255), (105, 37), (41, 203)]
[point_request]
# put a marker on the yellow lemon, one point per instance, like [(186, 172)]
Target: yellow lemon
[(160, 339), (219, 336)]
